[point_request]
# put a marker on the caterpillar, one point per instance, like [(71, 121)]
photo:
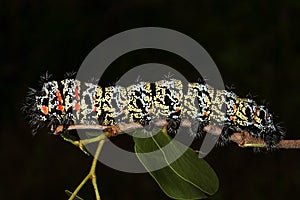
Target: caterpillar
[(70, 102)]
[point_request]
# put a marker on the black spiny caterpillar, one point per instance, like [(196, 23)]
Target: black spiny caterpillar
[(70, 101)]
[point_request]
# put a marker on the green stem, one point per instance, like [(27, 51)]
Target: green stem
[(79, 187), (258, 145), (93, 168), (92, 174), (91, 140)]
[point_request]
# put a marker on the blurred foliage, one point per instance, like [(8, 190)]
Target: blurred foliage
[(255, 44)]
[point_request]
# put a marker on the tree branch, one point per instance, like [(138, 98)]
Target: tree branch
[(242, 139)]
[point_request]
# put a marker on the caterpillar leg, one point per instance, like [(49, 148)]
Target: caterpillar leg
[(54, 124), (197, 127), (173, 125), (227, 131), (111, 131), (147, 122), (60, 126)]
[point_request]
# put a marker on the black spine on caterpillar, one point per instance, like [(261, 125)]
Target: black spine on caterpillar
[(73, 102)]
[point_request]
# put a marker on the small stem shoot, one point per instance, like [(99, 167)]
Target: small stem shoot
[(92, 174)]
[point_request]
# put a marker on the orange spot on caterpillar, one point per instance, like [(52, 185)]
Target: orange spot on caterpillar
[(255, 114), (234, 107), (232, 118), (95, 107), (58, 95), (77, 106), (178, 109), (45, 110), (60, 101), (60, 107), (205, 113)]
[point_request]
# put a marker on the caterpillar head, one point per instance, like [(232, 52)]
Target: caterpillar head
[(264, 121)]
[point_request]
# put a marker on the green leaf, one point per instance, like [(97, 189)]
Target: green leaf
[(188, 177), (69, 193)]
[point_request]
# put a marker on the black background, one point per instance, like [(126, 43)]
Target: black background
[(254, 44)]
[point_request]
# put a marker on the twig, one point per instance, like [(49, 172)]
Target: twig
[(92, 174), (243, 139)]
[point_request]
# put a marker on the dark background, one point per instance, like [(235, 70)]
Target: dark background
[(254, 44)]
